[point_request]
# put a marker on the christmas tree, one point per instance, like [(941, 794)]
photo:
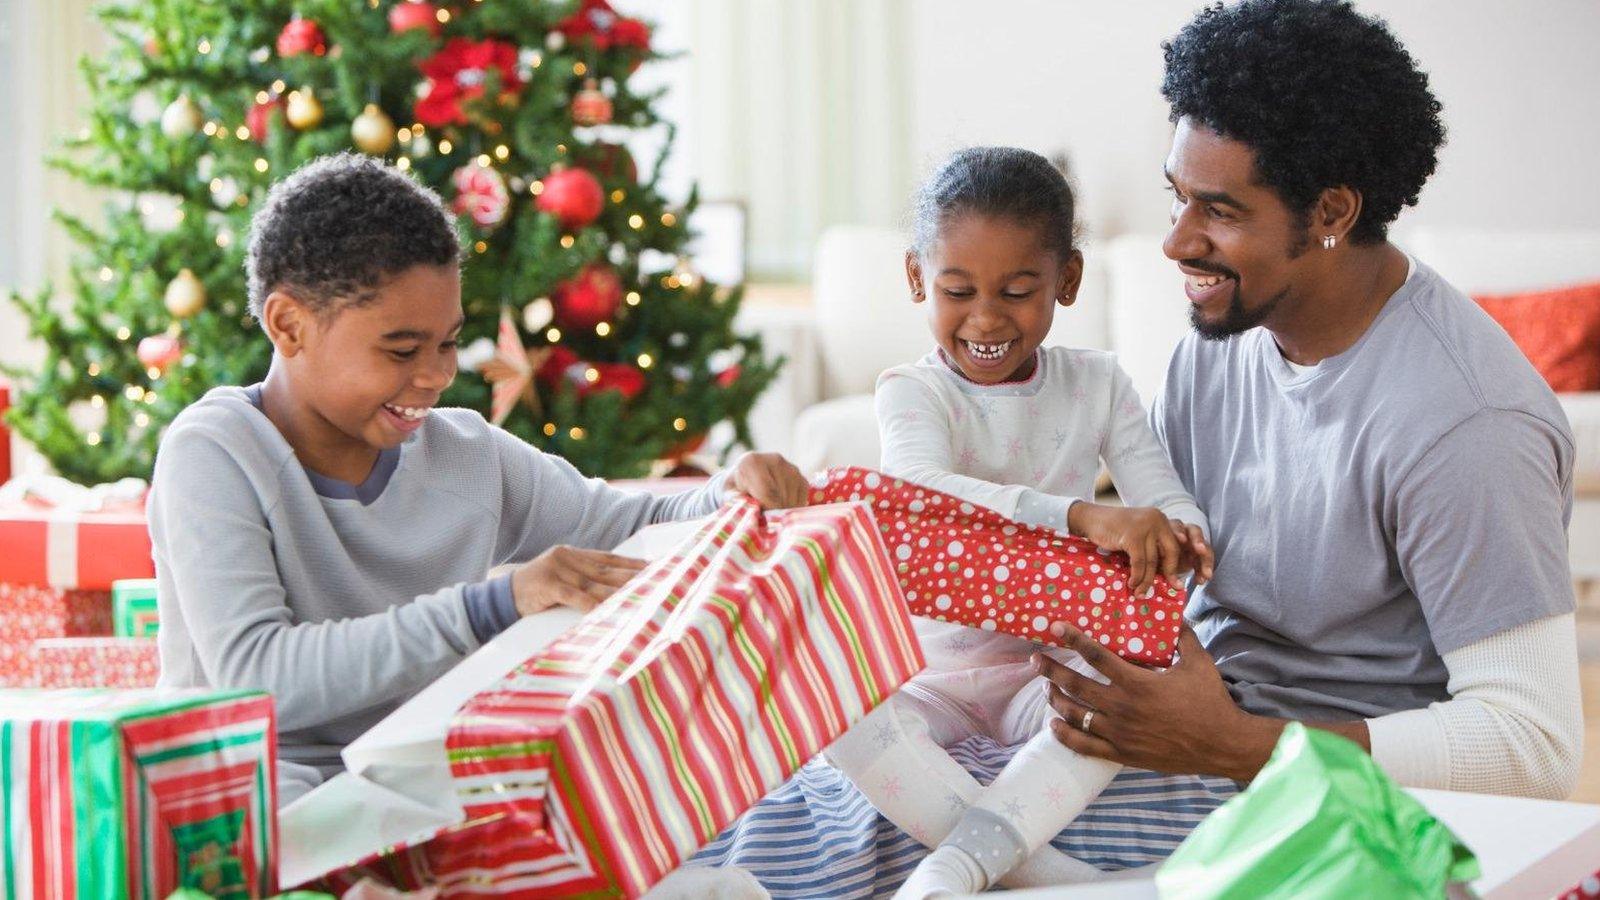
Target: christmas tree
[(587, 334)]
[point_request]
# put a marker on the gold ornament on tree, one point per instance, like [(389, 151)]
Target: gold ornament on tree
[(372, 131), (304, 110), (185, 295), (181, 118)]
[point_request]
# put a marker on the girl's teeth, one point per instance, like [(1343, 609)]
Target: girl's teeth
[(988, 351), (409, 412)]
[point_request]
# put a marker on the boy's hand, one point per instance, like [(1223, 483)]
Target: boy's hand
[(770, 480), (1148, 537), (570, 576)]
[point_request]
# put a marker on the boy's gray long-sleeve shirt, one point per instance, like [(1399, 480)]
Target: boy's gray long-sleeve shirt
[(344, 606)]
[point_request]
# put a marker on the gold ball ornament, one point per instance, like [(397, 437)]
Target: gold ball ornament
[(372, 131), (181, 118), (303, 110), (185, 295)]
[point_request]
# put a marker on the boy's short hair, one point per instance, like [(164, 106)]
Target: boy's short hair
[(338, 226), (1324, 95)]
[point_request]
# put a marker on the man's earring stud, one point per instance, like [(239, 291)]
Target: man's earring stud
[(1329, 242)]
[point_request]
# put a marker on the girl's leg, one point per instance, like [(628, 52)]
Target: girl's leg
[(895, 757), (1042, 789)]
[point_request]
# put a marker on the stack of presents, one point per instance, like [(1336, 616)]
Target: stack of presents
[(573, 756)]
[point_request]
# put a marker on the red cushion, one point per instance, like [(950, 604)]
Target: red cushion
[(1558, 329)]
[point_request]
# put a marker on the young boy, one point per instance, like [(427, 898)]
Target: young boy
[(325, 535)]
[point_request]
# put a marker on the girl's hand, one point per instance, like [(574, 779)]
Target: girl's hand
[(770, 480), (1197, 555), (1145, 534), (570, 576)]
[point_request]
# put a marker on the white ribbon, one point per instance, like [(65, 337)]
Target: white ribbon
[(66, 497)]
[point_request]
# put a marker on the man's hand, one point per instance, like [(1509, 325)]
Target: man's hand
[(770, 480), (1180, 719), (570, 576), (1155, 544)]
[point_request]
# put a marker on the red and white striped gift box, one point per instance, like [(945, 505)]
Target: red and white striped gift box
[(138, 793), (598, 766), (959, 562)]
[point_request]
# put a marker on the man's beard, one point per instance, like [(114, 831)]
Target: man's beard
[(1235, 320)]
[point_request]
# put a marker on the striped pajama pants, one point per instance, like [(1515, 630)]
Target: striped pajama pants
[(817, 837)]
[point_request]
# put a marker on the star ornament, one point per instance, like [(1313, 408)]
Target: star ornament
[(511, 371)]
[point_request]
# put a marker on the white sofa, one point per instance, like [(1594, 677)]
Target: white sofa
[(1132, 303)]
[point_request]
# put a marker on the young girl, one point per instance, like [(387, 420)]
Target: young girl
[(992, 417), (325, 535)]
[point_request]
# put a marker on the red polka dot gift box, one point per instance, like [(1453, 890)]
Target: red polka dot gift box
[(960, 562)]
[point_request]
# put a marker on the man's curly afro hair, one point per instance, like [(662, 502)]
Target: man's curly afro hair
[(338, 227), (1325, 96)]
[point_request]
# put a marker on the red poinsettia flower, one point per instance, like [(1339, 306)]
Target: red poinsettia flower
[(631, 33), (458, 73), (598, 24)]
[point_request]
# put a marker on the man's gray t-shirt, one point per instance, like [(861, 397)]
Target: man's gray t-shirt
[(1400, 500)]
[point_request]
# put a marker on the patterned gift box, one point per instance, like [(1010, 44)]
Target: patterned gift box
[(30, 612), (599, 765), (56, 574), (137, 793), (958, 562), (109, 662), (133, 607)]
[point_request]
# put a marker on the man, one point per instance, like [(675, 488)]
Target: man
[(1388, 480)]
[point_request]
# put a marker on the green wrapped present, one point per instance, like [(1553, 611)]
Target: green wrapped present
[(134, 794), (1320, 821), (133, 607)]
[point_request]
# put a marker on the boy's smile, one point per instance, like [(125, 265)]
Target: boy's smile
[(363, 378), (993, 286)]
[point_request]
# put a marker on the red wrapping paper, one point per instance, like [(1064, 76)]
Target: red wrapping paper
[(959, 562), (111, 662), (29, 612), (82, 550)]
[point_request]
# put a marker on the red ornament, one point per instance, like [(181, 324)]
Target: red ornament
[(301, 36), (159, 352), (414, 14), (590, 106), (591, 297), (480, 193), (259, 119), (727, 377), (458, 73), (610, 162), (572, 195), (555, 366), (620, 377)]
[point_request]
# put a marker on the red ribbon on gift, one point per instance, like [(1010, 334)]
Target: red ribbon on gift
[(74, 550), (960, 562)]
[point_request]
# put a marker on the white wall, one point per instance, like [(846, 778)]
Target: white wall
[(1520, 84)]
